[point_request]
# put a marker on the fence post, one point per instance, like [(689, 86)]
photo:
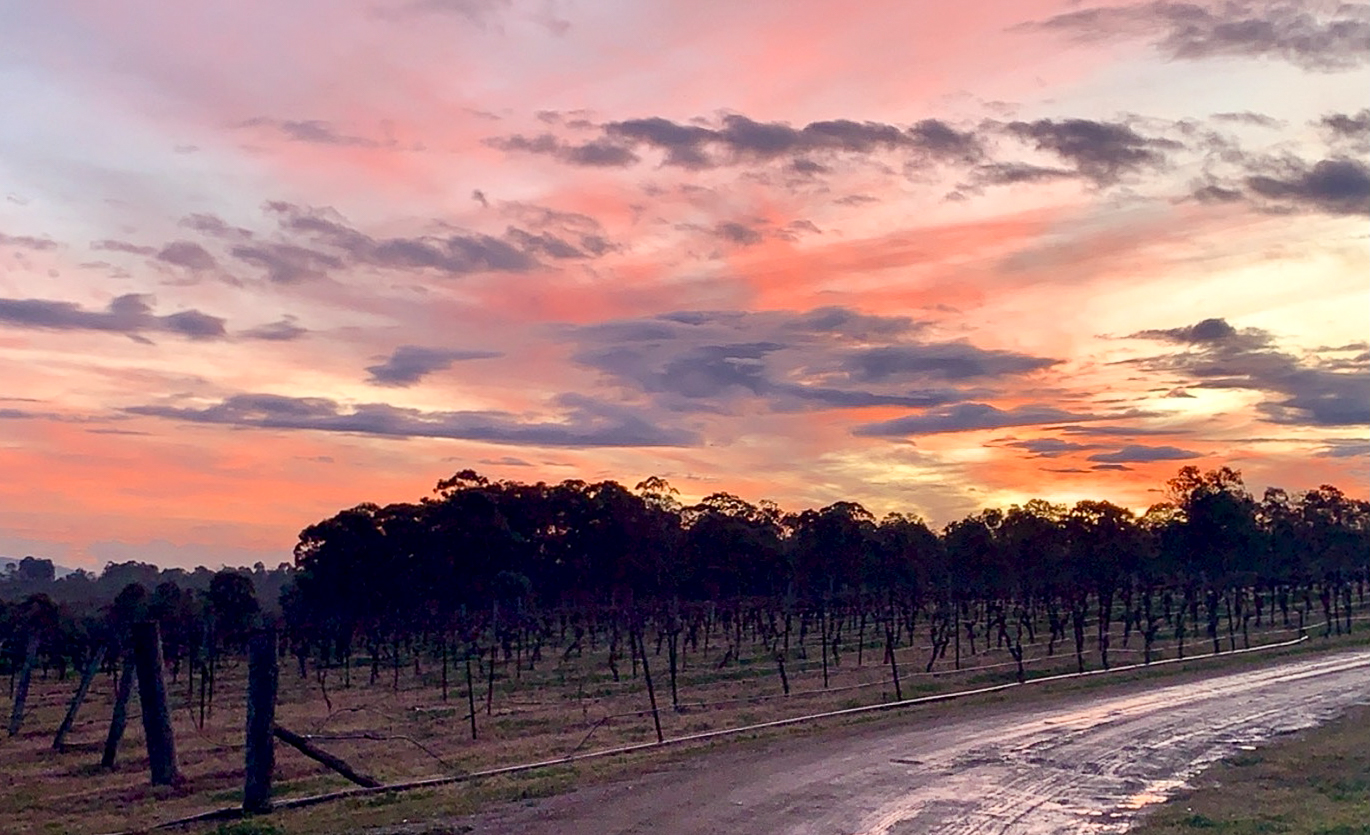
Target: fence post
[(120, 715), (21, 695), (470, 692), (647, 674), (262, 677), (894, 665), (161, 742), (92, 667)]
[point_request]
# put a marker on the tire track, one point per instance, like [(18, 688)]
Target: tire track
[(1081, 766)]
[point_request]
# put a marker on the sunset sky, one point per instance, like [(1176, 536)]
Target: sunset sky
[(263, 261)]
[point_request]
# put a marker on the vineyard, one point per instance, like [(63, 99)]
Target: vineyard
[(499, 624)]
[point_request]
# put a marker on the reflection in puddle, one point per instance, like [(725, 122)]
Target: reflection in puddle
[(1158, 791)]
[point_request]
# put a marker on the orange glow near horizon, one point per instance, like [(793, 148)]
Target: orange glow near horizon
[(825, 252)]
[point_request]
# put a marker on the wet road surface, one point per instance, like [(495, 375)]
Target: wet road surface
[(1080, 765)]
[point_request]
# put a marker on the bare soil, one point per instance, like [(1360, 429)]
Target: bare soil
[(1085, 765), (559, 706)]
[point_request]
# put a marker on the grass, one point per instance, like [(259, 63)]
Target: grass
[(1313, 783), (537, 714)]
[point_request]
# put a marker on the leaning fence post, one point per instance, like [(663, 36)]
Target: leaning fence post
[(120, 715), (651, 691), (262, 677), (303, 745), (161, 742), (92, 667), (894, 665), (21, 695)]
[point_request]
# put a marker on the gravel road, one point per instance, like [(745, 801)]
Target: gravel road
[(1081, 765)]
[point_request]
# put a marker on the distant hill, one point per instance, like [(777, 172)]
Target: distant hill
[(59, 570)]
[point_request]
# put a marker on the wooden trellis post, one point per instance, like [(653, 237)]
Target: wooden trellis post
[(262, 678), (161, 742)]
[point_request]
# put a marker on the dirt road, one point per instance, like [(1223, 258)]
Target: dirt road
[(1079, 766)]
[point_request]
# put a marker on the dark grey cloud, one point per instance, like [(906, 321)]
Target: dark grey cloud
[(456, 253), (1103, 430), (737, 139), (129, 314), (1099, 151), (192, 323), (315, 132), (559, 234), (286, 263), (966, 417), (1333, 186), (851, 399), (947, 361), (505, 461), (282, 330), (600, 153), (1338, 185), (1246, 117), (1116, 467), (1009, 173), (110, 245), (738, 233), (693, 372), (847, 323), (1209, 330), (1312, 390), (408, 364), (27, 242), (942, 140), (1354, 127), (584, 422), (704, 376), (1214, 193), (806, 166), (831, 357), (187, 254), (545, 243), (1140, 454), (1340, 448), (1050, 447), (1330, 38), (214, 226)]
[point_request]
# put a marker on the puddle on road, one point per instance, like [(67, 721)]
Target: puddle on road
[(1039, 786), (1158, 791), (1112, 817), (1096, 768)]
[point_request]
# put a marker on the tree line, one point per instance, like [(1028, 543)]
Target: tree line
[(507, 562), (505, 570)]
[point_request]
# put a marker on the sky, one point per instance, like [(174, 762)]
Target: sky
[(260, 262)]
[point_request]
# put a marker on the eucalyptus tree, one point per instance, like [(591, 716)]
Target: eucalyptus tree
[(1107, 549), (1221, 537)]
